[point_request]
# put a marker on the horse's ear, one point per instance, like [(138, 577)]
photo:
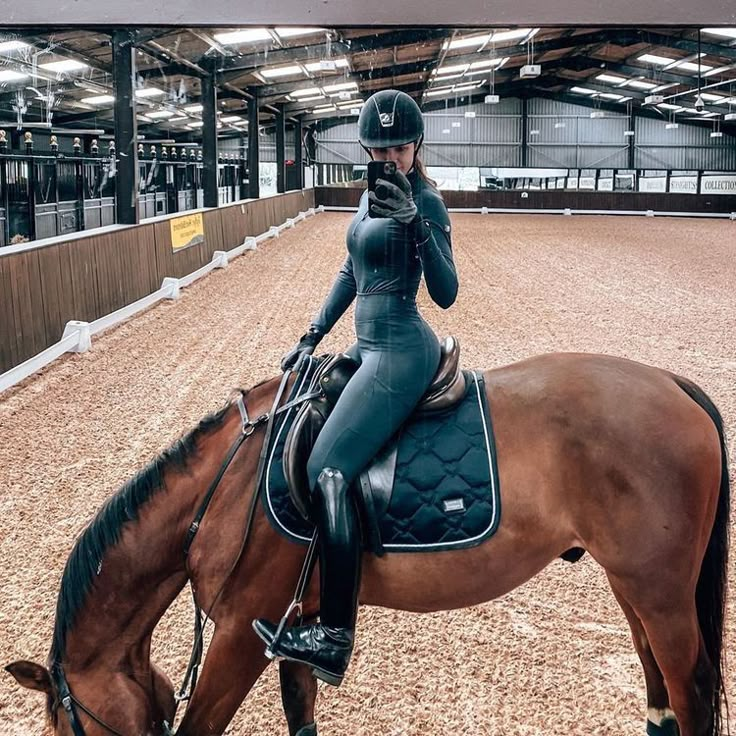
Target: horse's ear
[(31, 675)]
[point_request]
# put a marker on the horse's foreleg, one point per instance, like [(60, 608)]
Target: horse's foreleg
[(660, 717), (298, 694), (234, 662)]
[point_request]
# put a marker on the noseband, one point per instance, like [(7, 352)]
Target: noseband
[(67, 701)]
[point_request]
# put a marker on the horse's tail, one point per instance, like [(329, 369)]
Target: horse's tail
[(710, 594)]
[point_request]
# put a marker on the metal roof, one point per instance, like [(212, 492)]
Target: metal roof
[(440, 67)]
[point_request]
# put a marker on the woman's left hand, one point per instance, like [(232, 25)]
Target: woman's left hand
[(398, 203)]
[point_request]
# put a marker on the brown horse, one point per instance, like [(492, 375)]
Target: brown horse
[(623, 460)]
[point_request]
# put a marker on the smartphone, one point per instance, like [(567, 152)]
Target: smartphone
[(380, 170)]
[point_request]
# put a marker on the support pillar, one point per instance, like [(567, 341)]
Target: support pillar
[(632, 139), (126, 128), (254, 188), (280, 149), (209, 139), (524, 132), (298, 154)]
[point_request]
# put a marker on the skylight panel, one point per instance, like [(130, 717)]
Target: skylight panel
[(466, 41), (722, 32), (638, 84), (306, 92), (438, 91), (10, 75), (350, 103), (654, 59), (291, 32), (98, 100), (452, 69), (248, 35), (511, 35), (612, 79), (339, 87), (693, 67), (719, 70), (466, 86), (281, 71), (6, 46), (663, 87), (488, 63), (64, 65), (149, 92)]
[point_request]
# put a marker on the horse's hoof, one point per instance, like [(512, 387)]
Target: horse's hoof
[(668, 727), (308, 730)]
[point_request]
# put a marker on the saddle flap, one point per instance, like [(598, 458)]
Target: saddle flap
[(376, 485), (332, 376), (299, 442)]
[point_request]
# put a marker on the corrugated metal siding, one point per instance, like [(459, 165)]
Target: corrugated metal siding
[(686, 147), (542, 106), (475, 142), (493, 138), (267, 147)]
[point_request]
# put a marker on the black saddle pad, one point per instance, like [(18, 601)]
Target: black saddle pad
[(445, 494)]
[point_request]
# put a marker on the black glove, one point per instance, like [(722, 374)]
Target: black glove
[(396, 201), (306, 345)]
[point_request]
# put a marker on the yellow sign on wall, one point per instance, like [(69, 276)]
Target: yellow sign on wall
[(187, 231)]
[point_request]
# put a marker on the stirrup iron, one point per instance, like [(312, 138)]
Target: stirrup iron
[(296, 603)]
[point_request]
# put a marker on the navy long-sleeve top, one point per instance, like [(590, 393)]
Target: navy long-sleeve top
[(384, 258)]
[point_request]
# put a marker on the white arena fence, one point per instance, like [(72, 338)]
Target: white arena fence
[(565, 211), (77, 337)]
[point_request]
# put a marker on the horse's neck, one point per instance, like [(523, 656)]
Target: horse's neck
[(143, 573)]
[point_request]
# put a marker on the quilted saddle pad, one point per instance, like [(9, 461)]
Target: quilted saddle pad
[(445, 493)]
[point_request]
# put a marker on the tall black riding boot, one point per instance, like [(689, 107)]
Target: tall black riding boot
[(326, 647)]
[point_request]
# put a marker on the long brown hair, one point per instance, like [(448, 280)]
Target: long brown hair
[(422, 171)]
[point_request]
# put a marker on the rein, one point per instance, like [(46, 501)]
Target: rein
[(66, 699)]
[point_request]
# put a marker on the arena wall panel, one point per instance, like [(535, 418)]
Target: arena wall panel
[(555, 200), (45, 284)]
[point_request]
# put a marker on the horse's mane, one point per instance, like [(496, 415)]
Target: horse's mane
[(104, 530)]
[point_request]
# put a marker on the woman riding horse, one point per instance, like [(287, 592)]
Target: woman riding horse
[(398, 355)]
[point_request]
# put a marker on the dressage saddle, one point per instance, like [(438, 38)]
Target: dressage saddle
[(446, 389)]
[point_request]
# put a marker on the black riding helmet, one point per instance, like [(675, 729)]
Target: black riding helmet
[(390, 118)]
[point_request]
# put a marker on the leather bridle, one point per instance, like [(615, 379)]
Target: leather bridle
[(65, 698)]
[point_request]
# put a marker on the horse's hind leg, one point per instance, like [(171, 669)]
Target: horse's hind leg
[(673, 631), (660, 717), (298, 693)]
